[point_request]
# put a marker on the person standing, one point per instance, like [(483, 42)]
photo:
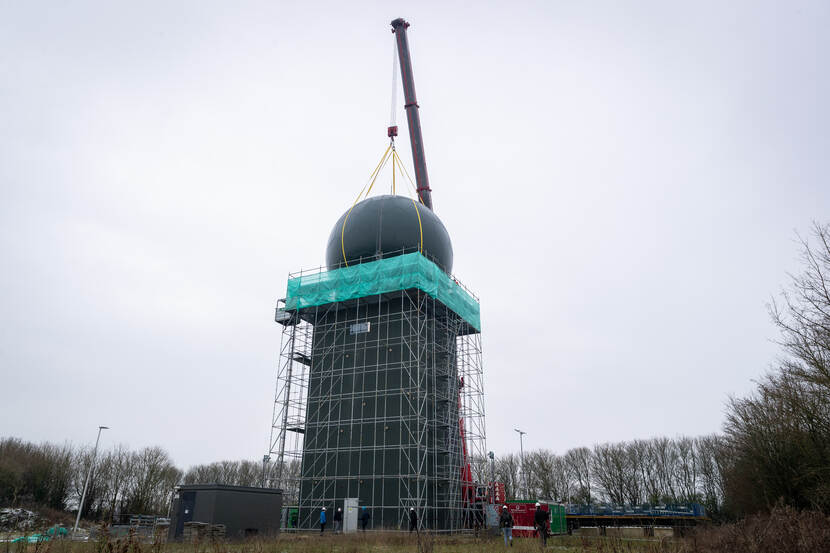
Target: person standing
[(322, 520), (413, 520), (364, 518), (338, 520), (540, 520), (506, 525)]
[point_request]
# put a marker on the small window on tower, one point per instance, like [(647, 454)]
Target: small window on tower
[(360, 328)]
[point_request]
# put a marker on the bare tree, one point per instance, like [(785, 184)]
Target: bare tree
[(646, 470), (114, 471), (803, 313), (780, 435), (579, 466), (480, 466), (633, 486), (561, 480), (231, 473), (610, 471), (711, 457), (289, 481), (152, 481), (81, 461), (686, 471), (665, 457), (540, 464), (507, 471)]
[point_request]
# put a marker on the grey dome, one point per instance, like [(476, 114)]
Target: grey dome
[(382, 226)]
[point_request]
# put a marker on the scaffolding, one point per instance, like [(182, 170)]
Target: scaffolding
[(379, 398)]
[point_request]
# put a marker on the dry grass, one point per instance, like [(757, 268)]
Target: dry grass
[(784, 531), (358, 543)]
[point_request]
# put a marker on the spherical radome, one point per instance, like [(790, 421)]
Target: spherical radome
[(382, 226)]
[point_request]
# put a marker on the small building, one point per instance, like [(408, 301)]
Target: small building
[(240, 511)]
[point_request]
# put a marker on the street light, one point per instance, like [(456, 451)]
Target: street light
[(492, 457), (265, 459), (86, 480), (522, 450)]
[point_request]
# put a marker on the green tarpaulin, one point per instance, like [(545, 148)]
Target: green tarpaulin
[(402, 272)]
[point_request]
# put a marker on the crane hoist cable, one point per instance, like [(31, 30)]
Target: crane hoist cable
[(392, 130), (390, 153), (393, 112)]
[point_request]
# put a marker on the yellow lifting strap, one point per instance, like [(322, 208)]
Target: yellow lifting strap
[(417, 211), (411, 182), (371, 183), (372, 177)]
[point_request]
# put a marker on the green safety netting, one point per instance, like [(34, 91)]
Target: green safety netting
[(402, 272)]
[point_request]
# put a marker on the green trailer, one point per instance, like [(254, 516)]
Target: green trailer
[(558, 524)]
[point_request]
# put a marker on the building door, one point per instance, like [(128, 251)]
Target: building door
[(350, 515), (187, 501)]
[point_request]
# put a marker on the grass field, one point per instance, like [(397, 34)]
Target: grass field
[(784, 530), (375, 543)]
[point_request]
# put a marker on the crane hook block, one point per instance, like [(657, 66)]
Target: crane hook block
[(392, 132)]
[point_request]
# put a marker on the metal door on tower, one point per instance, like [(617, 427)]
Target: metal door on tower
[(350, 515)]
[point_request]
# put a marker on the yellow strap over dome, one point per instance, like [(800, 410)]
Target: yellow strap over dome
[(420, 226), (372, 178), (417, 211), (396, 160)]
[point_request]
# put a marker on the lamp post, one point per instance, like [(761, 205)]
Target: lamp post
[(492, 457), (86, 480), (265, 459), (522, 450)]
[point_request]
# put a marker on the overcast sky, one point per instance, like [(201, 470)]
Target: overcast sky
[(622, 182)]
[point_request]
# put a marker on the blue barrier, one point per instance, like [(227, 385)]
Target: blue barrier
[(646, 510)]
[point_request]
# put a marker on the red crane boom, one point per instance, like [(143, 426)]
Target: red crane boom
[(399, 27)]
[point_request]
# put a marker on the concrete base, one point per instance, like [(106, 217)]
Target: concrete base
[(625, 532), (663, 532), (588, 531)]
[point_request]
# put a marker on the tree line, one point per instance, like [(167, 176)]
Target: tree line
[(774, 449), (654, 471), (143, 481), (53, 476), (122, 481)]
